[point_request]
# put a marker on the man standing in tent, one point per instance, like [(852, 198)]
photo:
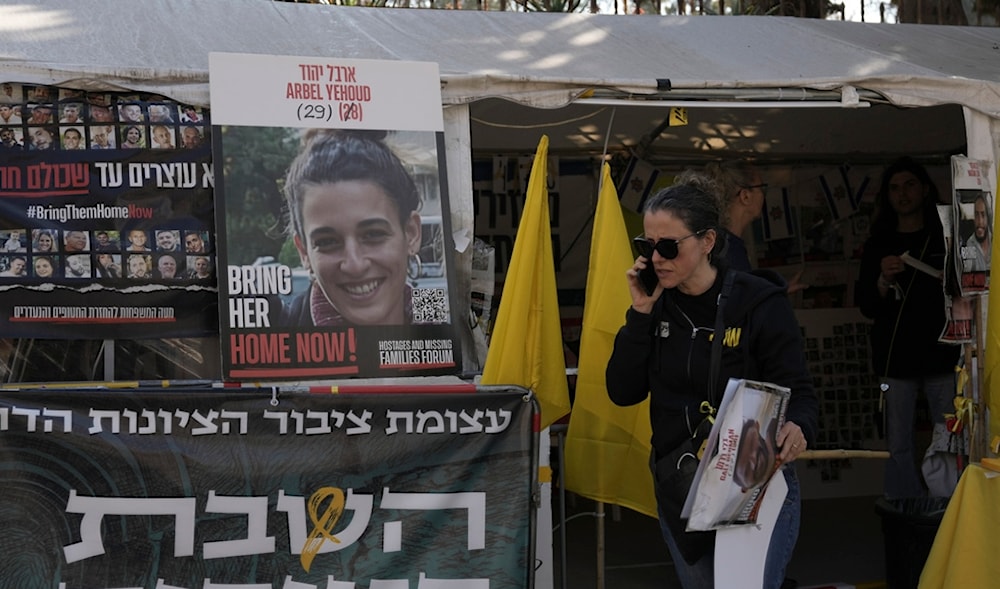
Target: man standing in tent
[(908, 312)]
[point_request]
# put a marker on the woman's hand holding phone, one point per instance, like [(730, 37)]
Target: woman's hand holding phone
[(644, 285)]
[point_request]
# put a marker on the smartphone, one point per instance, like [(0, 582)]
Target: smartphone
[(648, 278)]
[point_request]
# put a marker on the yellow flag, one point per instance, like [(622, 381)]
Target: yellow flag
[(526, 346), (991, 361), (607, 447)]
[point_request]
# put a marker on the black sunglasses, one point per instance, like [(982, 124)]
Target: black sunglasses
[(667, 248)]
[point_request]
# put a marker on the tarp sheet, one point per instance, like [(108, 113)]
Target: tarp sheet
[(540, 59)]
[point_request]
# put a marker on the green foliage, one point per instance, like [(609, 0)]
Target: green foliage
[(799, 8), (288, 255), (551, 5), (523, 5), (254, 164)]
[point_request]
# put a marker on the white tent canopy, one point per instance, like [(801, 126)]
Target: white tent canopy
[(542, 60), (539, 58)]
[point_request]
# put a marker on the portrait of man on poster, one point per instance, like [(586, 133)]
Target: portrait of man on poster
[(756, 459), (15, 268), (976, 253)]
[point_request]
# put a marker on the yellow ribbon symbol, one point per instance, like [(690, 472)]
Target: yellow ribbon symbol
[(707, 409), (322, 524), (964, 407), (709, 412), (962, 380), (964, 413)]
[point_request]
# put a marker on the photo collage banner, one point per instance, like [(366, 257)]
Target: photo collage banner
[(106, 216)]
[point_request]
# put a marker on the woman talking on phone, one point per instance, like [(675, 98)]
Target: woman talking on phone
[(665, 350)]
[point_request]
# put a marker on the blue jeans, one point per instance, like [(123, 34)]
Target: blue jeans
[(701, 574), (901, 475)]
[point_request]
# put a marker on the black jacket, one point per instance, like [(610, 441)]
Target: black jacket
[(674, 368), (904, 334)]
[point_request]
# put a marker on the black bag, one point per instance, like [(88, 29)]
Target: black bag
[(672, 478)]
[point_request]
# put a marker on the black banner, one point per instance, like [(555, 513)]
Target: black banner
[(106, 216), (258, 489)]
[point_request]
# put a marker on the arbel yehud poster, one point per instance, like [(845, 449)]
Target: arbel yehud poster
[(334, 235)]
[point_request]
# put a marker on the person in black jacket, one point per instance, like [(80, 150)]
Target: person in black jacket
[(353, 217), (908, 311), (663, 352)]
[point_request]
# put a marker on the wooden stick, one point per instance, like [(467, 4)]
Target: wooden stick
[(842, 453)]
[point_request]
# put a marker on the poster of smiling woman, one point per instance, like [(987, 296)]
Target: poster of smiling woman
[(334, 239)]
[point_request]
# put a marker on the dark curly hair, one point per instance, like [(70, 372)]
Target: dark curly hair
[(328, 156), (885, 218), (696, 207)]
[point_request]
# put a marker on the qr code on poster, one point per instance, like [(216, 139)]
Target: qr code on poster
[(430, 305)]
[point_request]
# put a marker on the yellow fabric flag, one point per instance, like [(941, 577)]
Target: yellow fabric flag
[(526, 346), (991, 361), (607, 447), (963, 554)]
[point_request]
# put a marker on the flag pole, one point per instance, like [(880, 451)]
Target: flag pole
[(560, 440), (600, 504), (600, 545)]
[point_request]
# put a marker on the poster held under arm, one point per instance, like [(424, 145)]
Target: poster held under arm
[(740, 458)]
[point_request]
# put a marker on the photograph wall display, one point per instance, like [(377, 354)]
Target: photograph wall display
[(94, 218)]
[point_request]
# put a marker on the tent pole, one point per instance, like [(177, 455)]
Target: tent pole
[(979, 440), (560, 440), (600, 545)]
